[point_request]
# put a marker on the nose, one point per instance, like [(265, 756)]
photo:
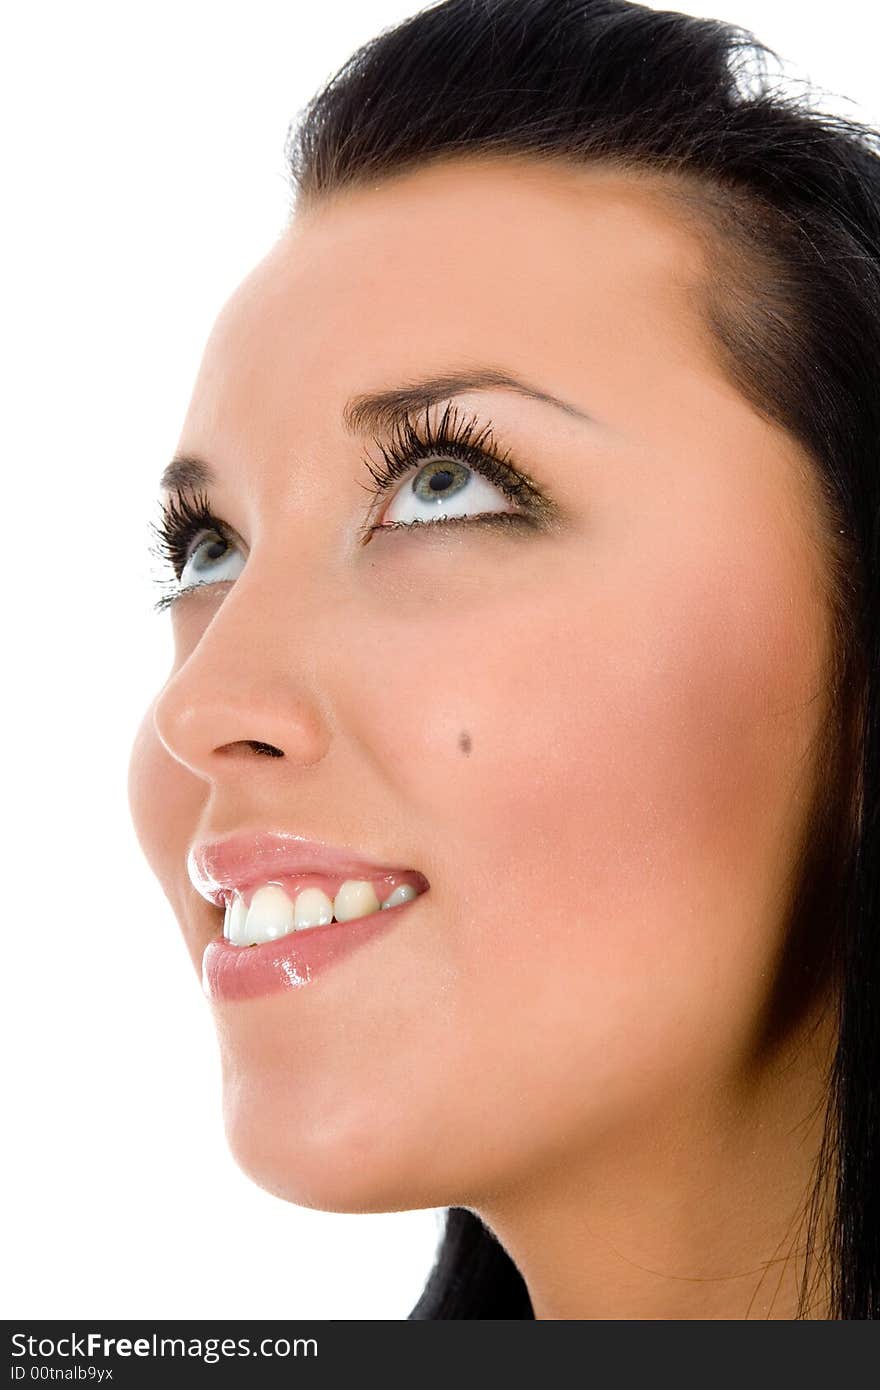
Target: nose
[(245, 692)]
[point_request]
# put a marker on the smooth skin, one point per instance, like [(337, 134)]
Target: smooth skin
[(596, 742)]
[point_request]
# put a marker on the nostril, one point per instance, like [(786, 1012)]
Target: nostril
[(267, 749)]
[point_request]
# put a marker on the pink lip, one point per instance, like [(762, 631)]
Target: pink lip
[(246, 972), (216, 867)]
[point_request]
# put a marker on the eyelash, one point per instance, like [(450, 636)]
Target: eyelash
[(463, 440), (184, 516), (181, 519)]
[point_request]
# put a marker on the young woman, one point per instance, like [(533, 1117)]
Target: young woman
[(516, 781)]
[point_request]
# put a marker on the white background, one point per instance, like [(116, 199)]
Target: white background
[(142, 176)]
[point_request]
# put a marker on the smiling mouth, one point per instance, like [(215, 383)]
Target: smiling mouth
[(292, 903)]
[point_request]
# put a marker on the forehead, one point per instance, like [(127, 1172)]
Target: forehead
[(587, 274)]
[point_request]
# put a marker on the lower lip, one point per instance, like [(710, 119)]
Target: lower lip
[(247, 972)]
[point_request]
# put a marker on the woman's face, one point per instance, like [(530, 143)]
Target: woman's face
[(591, 732)]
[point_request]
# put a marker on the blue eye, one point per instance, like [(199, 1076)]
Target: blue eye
[(463, 480), (443, 489), (210, 562), (195, 544)]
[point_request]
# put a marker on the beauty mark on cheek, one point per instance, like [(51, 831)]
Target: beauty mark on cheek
[(464, 742)]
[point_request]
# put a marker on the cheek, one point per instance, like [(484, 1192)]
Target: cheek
[(165, 801), (611, 845)]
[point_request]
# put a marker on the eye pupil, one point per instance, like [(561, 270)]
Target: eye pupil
[(446, 478), (211, 548)]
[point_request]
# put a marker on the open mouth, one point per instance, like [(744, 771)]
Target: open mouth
[(291, 903)]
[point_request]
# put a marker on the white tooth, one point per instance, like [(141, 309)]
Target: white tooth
[(270, 915), (235, 921), (356, 898), (312, 909), (403, 893)]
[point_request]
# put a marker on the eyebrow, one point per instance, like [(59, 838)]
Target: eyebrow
[(382, 410)]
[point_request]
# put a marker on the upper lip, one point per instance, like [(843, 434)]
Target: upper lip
[(217, 866)]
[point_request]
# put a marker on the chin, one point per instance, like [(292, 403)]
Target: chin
[(339, 1153)]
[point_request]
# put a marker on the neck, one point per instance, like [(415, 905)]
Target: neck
[(698, 1210)]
